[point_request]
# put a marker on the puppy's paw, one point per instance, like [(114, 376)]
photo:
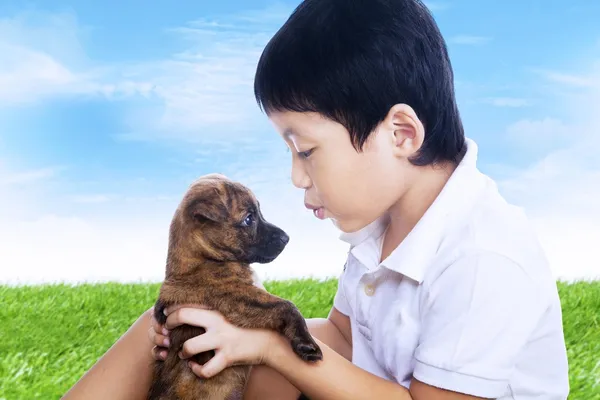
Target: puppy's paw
[(307, 349)]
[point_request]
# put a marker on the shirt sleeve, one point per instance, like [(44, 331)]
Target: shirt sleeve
[(477, 317), (339, 301)]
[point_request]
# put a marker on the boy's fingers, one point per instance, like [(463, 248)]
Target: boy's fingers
[(199, 344), (159, 353), (158, 327), (215, 365), (170, 309), (192, 316), (196, 368), (158, 339)]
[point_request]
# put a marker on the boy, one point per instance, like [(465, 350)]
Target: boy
[(445, 293)]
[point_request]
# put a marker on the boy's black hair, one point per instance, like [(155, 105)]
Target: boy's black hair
[(352, 60)]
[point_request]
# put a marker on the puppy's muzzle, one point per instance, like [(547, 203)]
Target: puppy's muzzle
[(273, 241), (282, 237)]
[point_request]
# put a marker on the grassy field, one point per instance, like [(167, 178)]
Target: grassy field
[(50, 335)]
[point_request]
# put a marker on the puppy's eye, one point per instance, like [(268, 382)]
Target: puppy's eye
[(249, 220)]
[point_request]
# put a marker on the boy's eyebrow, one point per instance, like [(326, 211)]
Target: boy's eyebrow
[(287, 133)]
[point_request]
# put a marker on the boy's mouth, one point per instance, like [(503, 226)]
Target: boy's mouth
[(319, 212)]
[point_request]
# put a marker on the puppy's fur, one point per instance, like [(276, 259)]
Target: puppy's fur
[(216, 233)]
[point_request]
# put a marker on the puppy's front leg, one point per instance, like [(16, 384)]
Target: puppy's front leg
[(256, 309)]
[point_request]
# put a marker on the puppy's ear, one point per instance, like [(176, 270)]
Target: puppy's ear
[(206, 209)]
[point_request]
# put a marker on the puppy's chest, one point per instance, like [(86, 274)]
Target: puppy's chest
[(208, 284), (256, 281)]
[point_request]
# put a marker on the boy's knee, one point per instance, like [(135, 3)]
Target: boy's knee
[(267, 384)]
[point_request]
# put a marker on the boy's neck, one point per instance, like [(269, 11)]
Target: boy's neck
[(409, 209)]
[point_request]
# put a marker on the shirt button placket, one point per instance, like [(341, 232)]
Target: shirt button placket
[(369, 289), (364, 304)]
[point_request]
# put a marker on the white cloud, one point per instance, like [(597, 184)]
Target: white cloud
[(26, 75), (39, 246), (542, 135), (23, 177), (20, 192), (471, 40), (209, 87), (191, 94), (575, 80), (561, 192), (92, 198), (436, 6), (41, 57), (512, 102), (71, 249), (562, 196)]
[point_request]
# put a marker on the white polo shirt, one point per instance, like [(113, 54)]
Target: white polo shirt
[(467, 302)]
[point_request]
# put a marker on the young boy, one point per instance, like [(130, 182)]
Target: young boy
[(446, 293)]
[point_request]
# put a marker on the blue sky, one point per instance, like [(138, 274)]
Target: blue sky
[(109, 110)]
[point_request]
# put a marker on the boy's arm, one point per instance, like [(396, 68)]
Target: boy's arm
[(338, 315), (336, 378), (337, 367), (124, 372), (341, 322)]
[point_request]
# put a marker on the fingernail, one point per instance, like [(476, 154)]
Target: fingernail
[(166, 342), (165, 311), (163, 355), (165, 331)]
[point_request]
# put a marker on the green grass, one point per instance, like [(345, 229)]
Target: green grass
[(50, 335)]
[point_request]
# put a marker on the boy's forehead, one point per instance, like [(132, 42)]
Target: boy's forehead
[(292, 124), (287, 124)]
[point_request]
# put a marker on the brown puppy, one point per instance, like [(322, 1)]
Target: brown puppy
[(216, 233)]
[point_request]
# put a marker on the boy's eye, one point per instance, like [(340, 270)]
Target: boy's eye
[(305, 154)]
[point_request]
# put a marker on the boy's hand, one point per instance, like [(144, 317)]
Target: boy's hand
[(159, 336), (232, 345)]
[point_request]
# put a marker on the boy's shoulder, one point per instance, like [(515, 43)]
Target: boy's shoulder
[(490, 289), (494, 225), (472, 230), (496, 238)]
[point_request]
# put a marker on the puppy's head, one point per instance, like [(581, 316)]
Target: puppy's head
[(220, 219)]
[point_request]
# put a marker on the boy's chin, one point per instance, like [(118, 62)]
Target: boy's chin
[(337, 224), (346, 227)]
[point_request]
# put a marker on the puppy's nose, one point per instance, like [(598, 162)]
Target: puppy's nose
[(284, 238)]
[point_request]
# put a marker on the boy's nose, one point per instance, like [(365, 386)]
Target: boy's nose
[(300, 178)]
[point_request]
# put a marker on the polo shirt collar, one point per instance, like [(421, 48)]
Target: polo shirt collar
[(413, 255), (373, 230)]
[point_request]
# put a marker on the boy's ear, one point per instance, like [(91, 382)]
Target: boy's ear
[(406, 130)]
